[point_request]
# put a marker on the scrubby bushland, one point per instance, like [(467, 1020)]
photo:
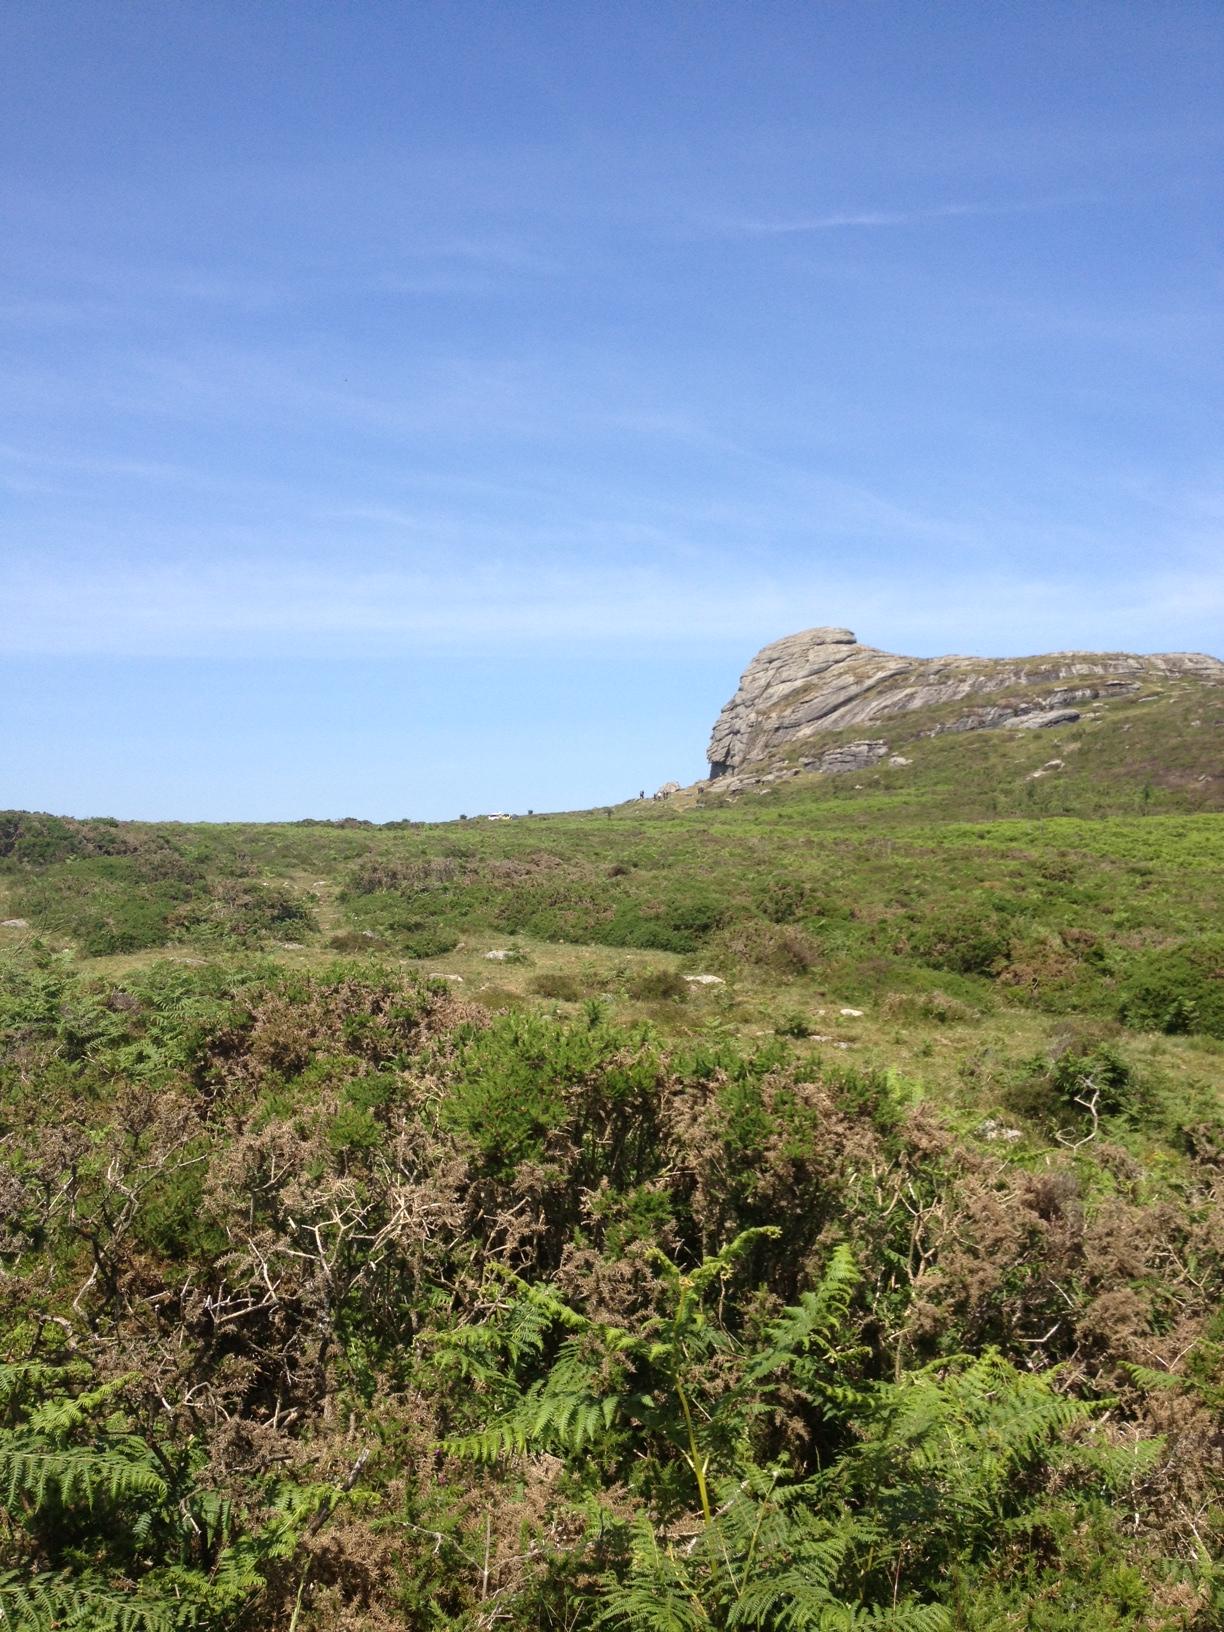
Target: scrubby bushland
[(117, 888), (110, 904), (30, 838), (966, 941), (659, 986), (782, 950), (239, 909), (565, 988), (329, 1301), (1177, 988), (1113, 917), (931, 1005)]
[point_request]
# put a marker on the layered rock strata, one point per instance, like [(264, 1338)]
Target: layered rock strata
[(823, 680)]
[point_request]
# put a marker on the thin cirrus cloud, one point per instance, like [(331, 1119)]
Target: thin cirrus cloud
[(239, 609), (788, 226)]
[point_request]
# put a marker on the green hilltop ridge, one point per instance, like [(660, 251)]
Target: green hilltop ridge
[(793, 1202), (820, 701)]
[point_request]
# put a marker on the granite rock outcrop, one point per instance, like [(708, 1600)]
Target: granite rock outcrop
[(824, 681)]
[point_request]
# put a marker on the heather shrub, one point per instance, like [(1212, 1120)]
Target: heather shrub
[(967, 942), (658, 985), (379, 875), (784, 950), (356, 940), (243, 909), (558, 985)]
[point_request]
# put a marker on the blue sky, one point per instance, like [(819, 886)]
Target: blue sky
[(414, 409)]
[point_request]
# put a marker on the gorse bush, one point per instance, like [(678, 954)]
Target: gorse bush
[(30, 839), (152, 895), (109, 904), (784, 900), (1088, 1067)]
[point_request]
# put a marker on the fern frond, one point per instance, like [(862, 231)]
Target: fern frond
[(817, 1318), (902, 1617), (657, 1594), (719, 1263), (1119, 1468), (36, 1376), (87, 1603), (796, 1597), (32, 1470), (1149, 1378), (1003, 1413), (639, 1606), (60, 1413), (569, 1409)]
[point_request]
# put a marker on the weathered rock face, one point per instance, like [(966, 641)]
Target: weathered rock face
[(847, 756), (823, 680)]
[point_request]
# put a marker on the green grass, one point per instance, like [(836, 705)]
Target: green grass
[(813, 890), (971, 947)]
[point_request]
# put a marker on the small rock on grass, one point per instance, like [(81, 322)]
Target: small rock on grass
[(705, 980), (1050, 765), (991, 1129), (14, 923), (852, 1014)]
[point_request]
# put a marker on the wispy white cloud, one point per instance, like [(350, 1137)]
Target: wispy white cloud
[(235, 609), (149, 470), (830, 221)]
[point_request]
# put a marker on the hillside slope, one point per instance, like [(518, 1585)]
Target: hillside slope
[(821, 701), (794, 1201)]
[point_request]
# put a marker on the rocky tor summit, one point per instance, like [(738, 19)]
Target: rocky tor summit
[(808, 690)]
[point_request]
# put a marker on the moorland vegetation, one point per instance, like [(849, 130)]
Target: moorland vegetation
[(354, 1278)]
